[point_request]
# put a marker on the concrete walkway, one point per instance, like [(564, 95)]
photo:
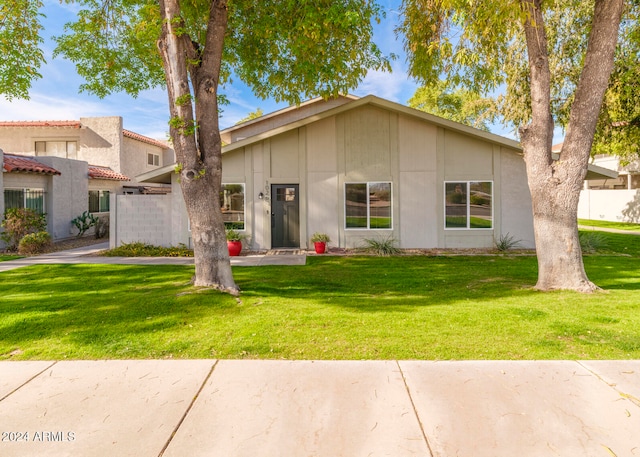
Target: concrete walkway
[(179, 408), (87, 255)]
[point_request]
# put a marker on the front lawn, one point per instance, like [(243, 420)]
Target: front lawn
[(7, 257), (404, 307), (608, 224)]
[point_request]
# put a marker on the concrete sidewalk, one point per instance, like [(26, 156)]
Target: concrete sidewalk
[(178, 408), (87, 255)]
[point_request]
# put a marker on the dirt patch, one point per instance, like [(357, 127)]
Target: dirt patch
[(73, 243)]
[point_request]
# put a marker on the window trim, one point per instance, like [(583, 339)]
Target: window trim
[(155, 159), (244, 205), (368, 194), (100, 197), (468, 204), (24, 191)]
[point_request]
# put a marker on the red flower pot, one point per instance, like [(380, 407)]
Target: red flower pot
[(320, 246), (234, 248)]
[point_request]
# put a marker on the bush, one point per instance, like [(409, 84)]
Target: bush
[(147, 250), (84, 222), (592, 242), (19, 222), (381, 246), (102, 227), (34, 243)]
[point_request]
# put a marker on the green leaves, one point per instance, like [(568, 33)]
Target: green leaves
[(20, 43), (113, 46), (291, 50)]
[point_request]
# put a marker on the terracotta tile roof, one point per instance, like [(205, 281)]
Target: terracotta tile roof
[(144, 139), (74, 124), (97, 172), (15, 163)]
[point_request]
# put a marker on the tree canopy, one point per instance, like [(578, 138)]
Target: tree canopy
[(459, 104)]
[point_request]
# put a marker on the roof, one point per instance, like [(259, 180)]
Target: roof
[(98, 172), (144, 139), (72, 124), (25, 164), (162, 175), (282, 111)]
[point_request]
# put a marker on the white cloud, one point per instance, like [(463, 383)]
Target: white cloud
[(395, 86)]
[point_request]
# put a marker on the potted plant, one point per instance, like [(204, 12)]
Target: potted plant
[(234, 242), (320, 241)]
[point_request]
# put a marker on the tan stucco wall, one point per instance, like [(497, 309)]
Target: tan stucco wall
[(67, 196), (370, 144), (133, 159)]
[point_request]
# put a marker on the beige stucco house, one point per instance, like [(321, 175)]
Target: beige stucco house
[(354, 169), (86, 161)]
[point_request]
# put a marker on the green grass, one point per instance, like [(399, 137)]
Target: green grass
[(405, 307), (6, 257), (609, 224)]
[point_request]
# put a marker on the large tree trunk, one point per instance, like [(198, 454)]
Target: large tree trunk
[(555, 185), (196, 140)]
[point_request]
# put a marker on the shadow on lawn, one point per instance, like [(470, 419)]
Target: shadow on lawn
[(91, 304)]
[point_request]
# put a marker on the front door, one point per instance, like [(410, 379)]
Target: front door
[(285, 216)]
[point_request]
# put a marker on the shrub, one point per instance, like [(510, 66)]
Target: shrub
[(102, 227), (34, 243), (19, 222), (147, 250), (507, 242), (592, 242), (84, 222), (381, 246), (234, 235)]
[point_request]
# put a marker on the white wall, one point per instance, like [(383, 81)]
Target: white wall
[(143, 218), (619, 205)]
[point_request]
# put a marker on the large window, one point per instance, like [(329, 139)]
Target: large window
[(468, 205), (232, 205), (98, 201), (368, 205), (65, 149), (24, 198)]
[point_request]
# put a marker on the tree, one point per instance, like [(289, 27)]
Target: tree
[(19, 46), (474, 43), (288, 50), (251, 116), (459, 105)]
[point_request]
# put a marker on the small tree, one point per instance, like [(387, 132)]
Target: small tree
[(19, 222)]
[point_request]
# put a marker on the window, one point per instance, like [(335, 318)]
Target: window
[(232, 205), (98, 201), (368, 205), (65, 149), (24, 198), (468, 205), (153, 159)]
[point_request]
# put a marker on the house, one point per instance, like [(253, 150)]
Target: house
[(355, 169), (64, 168), (615, 197)]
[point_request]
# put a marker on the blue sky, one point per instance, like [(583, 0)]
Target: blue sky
[(56, 96)]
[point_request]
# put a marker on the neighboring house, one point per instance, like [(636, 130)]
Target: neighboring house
[(615, 198), (91, 159), (355, 169)]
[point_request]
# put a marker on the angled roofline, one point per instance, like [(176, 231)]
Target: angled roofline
[(381, 103), (25, 164), (158, 175), (144, 139), (280, 112)]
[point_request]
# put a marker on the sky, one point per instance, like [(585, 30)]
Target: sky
[(56, 96)]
